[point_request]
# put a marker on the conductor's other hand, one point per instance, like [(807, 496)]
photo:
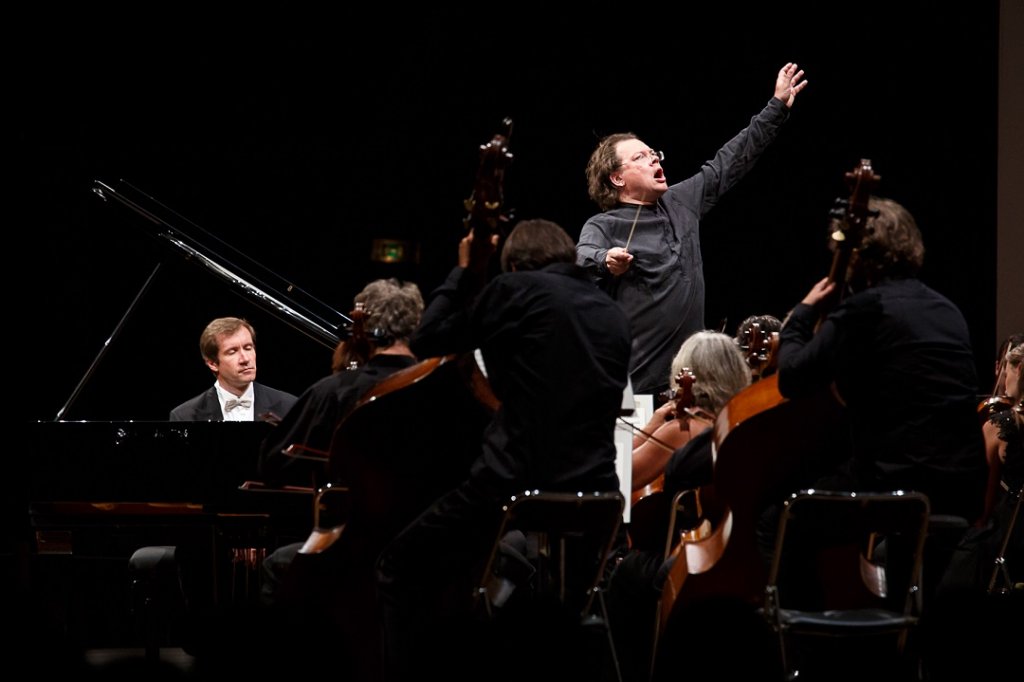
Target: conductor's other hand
[(617, 260)]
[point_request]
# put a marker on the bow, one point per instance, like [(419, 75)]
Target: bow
[(232, 404)]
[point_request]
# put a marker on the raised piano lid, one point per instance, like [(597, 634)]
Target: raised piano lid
[(243, 275)]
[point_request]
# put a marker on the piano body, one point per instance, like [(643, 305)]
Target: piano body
[(90, 493)]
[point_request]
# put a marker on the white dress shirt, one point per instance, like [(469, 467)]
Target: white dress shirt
[(237, 408)]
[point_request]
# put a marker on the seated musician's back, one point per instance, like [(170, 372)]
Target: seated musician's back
[(556, 352)]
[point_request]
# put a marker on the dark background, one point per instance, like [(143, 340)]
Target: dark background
[(300, 141)]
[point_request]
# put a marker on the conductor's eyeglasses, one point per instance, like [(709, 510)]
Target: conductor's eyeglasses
[(646, 156)]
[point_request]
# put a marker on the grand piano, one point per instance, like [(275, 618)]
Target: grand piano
[(89, 493)]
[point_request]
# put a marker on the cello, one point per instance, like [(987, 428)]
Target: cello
[(761, 439), (354, 349)]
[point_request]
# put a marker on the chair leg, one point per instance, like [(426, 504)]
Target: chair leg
[(602, 621), (999, 570)]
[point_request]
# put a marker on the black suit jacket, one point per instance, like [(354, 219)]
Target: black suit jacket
[(206, 407)]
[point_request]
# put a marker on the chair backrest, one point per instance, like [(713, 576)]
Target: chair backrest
[(847, 550), (570, 536), (686, 520)]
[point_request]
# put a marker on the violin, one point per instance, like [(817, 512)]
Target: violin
[(997, 402), (989, 407)]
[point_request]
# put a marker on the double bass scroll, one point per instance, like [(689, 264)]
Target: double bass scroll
[(487, 216), (849, 220)]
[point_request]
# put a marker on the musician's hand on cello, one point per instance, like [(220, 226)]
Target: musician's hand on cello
[(476, 255), (618, 260), (819, 292)]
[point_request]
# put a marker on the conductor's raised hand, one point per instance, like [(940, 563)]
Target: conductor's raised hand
[(789, 83)]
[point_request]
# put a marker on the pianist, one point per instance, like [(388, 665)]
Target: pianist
[(228, 348)]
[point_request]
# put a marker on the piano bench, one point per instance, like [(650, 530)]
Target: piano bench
[(156, 591)]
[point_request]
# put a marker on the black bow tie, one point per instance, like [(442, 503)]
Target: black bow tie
[(232, 404)]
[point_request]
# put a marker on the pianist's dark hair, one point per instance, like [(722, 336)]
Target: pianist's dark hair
[(208, 345), (532, 244)]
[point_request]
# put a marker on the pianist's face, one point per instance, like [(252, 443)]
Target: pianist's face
[(236, 361)]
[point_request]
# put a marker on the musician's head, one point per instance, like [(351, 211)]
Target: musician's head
[(891, 247), (533, 244), (228, 346), (719, 368), (393, 311), (623, 168), (763, 325)]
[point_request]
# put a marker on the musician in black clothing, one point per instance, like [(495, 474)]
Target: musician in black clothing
[(556, 352), (900, 356), (392, 312), (325, 599)]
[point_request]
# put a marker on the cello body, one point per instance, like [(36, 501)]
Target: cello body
[(765, 447)]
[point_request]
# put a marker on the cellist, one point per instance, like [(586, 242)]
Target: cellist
[(387, 311), (718, 371)]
